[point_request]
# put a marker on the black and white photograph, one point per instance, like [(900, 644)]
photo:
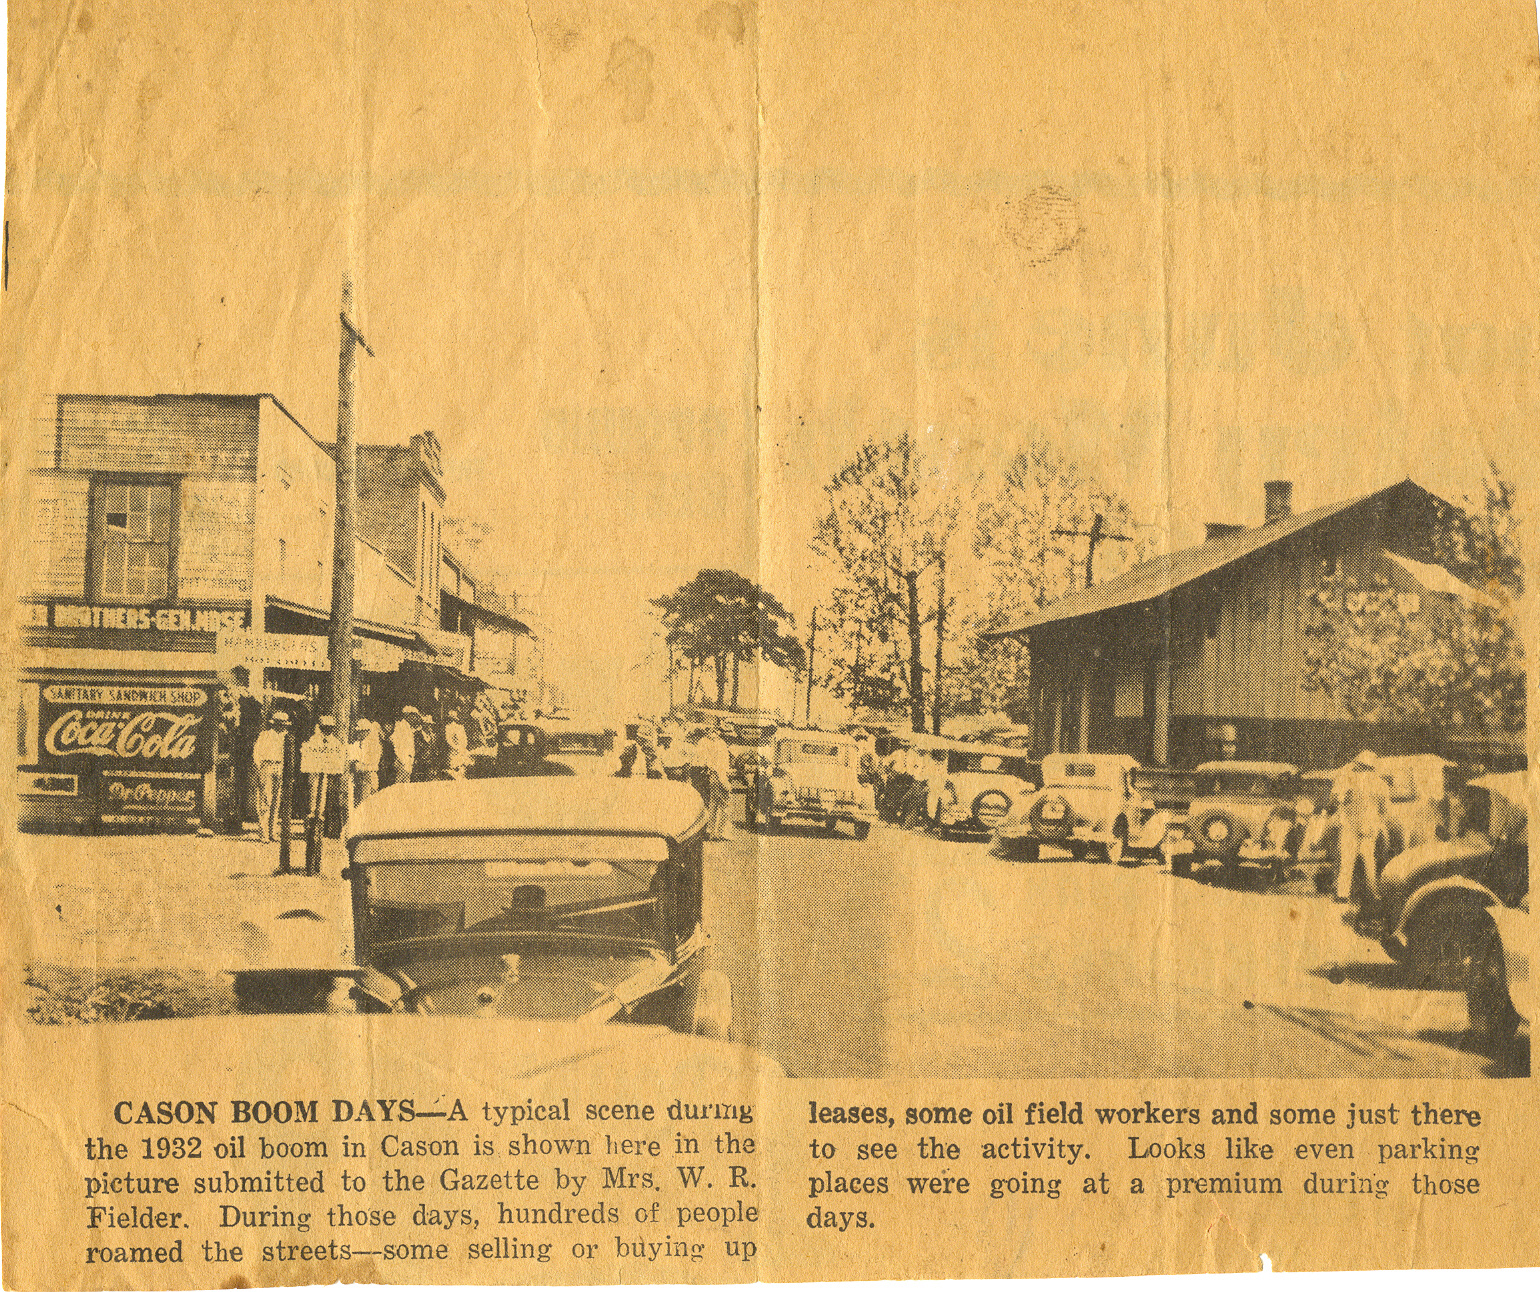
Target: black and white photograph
[(777, 544)]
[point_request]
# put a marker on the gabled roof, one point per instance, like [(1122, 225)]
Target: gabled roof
[(1161, 575)]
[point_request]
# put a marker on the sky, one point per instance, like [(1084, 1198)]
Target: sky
[(651, 272)]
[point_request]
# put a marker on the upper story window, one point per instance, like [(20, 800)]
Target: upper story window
[(132, 542)]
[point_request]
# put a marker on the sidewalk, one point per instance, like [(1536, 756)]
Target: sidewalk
[(163, 902)]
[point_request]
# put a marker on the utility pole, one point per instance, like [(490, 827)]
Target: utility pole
[(1096, 535), (855, 678), (344, 529), (935, 714), (812, 640)]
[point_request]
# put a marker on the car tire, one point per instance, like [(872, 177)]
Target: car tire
[(1029, 850), (750, 808), (708, 1006), (1181, 865), (831, 826), (1489, 1009), (1393, 949), (1442, 947), (1117, 849), (771, 825), (863, 828)]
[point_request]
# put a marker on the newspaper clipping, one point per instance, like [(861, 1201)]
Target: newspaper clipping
[(721, 642)]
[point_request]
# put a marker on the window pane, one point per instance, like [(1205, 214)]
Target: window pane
[(135, 550), (158, 525), (113, 552)]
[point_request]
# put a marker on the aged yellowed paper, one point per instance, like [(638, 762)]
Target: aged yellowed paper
[(714, 643)]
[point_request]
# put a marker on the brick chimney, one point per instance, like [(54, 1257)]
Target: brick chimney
[(1278, 500), (1218, 529)]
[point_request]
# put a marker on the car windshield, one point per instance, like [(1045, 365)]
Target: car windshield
[(813, 751), (1077, 773), (483, 891), (961, 760), (580, 742), (1244, 785)]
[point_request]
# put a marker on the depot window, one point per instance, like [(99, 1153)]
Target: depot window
[(132, 539)]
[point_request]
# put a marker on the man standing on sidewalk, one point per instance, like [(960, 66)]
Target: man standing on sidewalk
[(364, 759), (403, 745), (267, 761), (1363, 800), (711, 754)]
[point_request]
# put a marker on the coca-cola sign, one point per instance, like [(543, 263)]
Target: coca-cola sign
[(126, 727)]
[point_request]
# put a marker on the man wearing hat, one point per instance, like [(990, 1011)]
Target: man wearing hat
[(267, 760), (1363, 799), (242, 726), (403, 745), (364, 758)]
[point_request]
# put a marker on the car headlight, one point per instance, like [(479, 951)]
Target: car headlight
[(1217, 831)]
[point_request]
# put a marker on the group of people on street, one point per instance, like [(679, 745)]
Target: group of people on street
[(909, 784), (661, 751), (260, 738)]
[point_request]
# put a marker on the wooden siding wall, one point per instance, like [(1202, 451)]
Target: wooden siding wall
[(213, 437), (1253, 665)]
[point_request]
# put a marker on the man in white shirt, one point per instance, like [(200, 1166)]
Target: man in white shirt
[(364, 759), (403, 745), (1363, 799), (267, 758), (711, 754)]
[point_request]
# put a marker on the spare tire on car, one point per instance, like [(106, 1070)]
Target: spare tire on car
[(990, 808), (1217, 834), (1051, 826)]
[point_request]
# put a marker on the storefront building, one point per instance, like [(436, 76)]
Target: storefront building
[(174, 538)]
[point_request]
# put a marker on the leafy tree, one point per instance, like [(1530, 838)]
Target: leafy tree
[(724, 619), (1029, 544), (892, 512), (1450, 661)]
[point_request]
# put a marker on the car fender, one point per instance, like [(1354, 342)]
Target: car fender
[(1517, 933), (1451, 890)]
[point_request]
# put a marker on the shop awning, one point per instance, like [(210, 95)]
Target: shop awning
[(445, 673), (492, 618), (395, 634)]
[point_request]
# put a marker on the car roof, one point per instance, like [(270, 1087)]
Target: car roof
[(1249, 768), (532, 805), (828, 737), (1000, 751), (1111, 760)]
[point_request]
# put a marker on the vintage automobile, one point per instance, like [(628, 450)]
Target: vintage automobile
[(748, 737), (1242, 814), (1089, 805), (541, 898), (561, 748), (982, 783), (1436, 900), (812, 779)]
